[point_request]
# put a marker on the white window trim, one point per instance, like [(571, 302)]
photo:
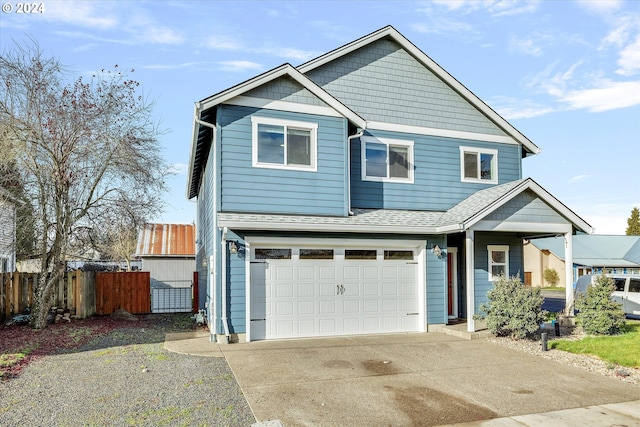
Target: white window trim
[(387, 142), (505, 249), (313, 127), (479, 151)]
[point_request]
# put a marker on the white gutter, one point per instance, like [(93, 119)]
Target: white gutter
[(356, 135), (224, 285), (213, 312)]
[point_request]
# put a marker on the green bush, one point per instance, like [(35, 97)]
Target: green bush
[(550, 276), (513, 309), (597, 313)]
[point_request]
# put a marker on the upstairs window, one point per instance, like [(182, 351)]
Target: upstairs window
[(479, 165), (284, 144), (498, 261), (387, 160)]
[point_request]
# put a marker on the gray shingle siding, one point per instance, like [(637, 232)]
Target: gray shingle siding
[(285, 89), (382, 82), (526, 207)]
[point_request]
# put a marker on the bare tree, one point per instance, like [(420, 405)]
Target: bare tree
[(82, 148)]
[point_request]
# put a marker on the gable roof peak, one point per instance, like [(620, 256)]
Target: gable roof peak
[(426, 61)]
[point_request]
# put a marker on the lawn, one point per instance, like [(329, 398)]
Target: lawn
[(622, 349)]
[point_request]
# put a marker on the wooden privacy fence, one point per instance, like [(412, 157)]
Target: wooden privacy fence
[(130, 291), (75, 291), (84, 293)]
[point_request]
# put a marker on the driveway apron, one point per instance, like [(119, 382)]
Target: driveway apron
[(422, 379)]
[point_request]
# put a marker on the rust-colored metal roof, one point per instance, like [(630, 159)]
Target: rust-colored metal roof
[(167, 240)]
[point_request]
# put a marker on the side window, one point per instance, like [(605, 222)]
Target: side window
[(284, 144), (479, 165), (619, 284), (498, 261), (387, 160), (634, 285)]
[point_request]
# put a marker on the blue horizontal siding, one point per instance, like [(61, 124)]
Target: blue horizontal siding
[(437, 184), (436, 283), (481, 261), (248, 189)]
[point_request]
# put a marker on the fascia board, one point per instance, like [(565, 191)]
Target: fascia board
[(530, 184), (192, 155), (423, 58), (325, 228)]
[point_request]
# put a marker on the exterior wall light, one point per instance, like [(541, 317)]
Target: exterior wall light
[(436, 250), (233, 247)]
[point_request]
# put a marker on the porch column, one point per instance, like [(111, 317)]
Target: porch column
[(568, 272), (469, 270)]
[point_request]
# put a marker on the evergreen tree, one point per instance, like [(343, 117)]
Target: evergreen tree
[(633, 223)]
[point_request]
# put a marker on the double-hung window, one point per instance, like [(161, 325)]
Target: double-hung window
[(284, 144), (387, 160), (498, 261), (479, 165)]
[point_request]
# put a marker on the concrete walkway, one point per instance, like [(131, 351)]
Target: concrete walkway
[(415, 379)]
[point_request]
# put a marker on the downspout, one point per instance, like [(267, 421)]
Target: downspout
[(356, 135), (223, 315)]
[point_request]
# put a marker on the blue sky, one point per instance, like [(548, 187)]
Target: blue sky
[(564, 73)]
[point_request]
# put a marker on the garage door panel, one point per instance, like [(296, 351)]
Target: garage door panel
[(284, 290), (326, 289), (323, 297), (306, 290), (370, 306), (389, 288), (370, 272), (350, 272), (327, 326), (351, 306), (327, 307), (284, 308), (327, 272), (306, 308), (390, 272), (389, 306)]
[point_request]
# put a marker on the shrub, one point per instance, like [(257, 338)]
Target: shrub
[(550, 276), (513, 309), (597, 313)]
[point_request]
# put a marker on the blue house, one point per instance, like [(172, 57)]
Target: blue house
[(366, 191)]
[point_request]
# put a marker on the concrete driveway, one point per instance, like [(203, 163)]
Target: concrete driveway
[(407, 379)]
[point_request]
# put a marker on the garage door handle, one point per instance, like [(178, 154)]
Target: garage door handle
[(412, 314), (339, 289)]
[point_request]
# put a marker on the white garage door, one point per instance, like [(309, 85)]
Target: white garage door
[(299, 292)]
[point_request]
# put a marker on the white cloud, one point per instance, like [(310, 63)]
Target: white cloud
[(601, 6), (525, 46), (239, 65), (81, 13), (161, 35), (494, 7), (577, 178), (607, 95), (443, 25), (629, 60), (290, 53), (222, 43)]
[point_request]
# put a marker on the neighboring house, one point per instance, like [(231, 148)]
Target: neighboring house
[(365, 191), (7, 232), (168, 252), (592, 254)]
